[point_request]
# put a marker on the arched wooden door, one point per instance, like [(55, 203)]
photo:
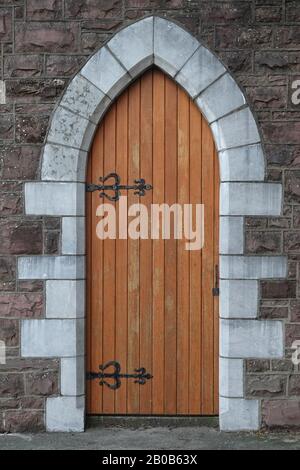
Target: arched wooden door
[(150, 302)]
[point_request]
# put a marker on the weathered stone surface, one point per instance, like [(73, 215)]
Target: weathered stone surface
[(52, 223), (265, 385), (237, 62), (287, 37), (256, 222), (282, 365), (43, 383), (294, 385), (91, 41), (292, 333), (10, 204), (230, 11), (46, 37), (19, 162), (292, 241), (267, 97), (292, 186), (6, 126), (277, 62), (268, 13), (263, 242), (274, 312), (257, 365), (44, 9), (281, 413), (283, 155), (232, 37), (7, 270), (92, 9), (31, 129), (20, 236), (292, 11), (5, 24), (51, 243), (24, 65), (295, 310), (34, 90), (278, 289), (281, 132), (9, 332), (30, 286), (29, 305), (11, 385), (20, 364), (63, 66), (24, 421)]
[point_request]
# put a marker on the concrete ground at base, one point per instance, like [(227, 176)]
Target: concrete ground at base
[(151, 438)]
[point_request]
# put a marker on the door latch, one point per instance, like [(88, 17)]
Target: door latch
[(140, 187), (216, 289)]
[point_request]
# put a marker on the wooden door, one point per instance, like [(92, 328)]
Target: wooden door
[(150, 302)]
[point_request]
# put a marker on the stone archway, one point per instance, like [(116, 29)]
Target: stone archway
[(61, 192)]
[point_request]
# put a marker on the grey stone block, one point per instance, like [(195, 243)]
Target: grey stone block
[(106, 73), (253, 267), (84, 98), (52, 338), (65, 299), (220, 98), (242, 164), (172, 46), (239, 415), (73, 236), (70, 129), (231, 235), (65, 414), (238, 298), (73, 376), (55, 198), (231, 377), (62, 163), (251, 339), (236, 129), (199, 72), (138, 39), (51, 267), (250, 198)]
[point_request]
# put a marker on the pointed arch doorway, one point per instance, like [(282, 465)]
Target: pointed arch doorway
[(151, 303)]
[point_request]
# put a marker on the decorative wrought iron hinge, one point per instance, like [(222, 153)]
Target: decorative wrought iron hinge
[(140, 375), (216, 290), (140, 187)]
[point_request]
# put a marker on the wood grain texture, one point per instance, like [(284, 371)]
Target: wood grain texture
[(150, 302)]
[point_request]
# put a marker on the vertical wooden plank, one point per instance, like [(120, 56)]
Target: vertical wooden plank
[(95, 280), (146, 245), (158, 366), (216, 299), (170, 250), (195, 266), (121, 254), (208, 269), (133, 249), (109, 263), (183, 280)]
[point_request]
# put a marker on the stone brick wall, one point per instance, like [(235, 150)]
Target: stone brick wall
[(43, 44)]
